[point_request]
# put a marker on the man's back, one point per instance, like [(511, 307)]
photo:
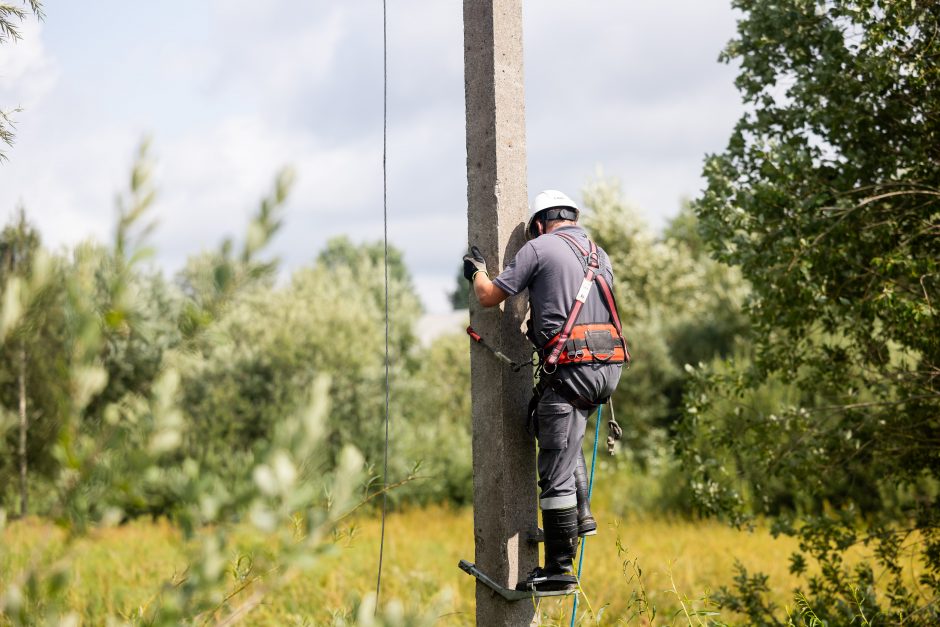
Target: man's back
[(552, 271)]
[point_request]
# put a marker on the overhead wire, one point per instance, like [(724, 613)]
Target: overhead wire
[(378, 581)]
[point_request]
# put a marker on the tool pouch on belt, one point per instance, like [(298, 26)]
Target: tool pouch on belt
[(591, 342)]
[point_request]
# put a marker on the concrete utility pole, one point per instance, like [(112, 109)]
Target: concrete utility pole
[(504, 480)]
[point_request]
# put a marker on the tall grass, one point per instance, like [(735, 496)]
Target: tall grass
[(638, 571)]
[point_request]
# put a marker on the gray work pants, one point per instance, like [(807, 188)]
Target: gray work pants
[(560, 430)]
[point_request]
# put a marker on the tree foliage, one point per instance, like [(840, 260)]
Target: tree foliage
[(11, 16), (460, 297), (677, 306), (828, 200), (31, 362), (213, 424)]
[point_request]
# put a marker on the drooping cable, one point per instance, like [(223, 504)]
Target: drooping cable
[(378, 581)]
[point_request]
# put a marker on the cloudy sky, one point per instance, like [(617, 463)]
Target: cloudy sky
[(230, 91)]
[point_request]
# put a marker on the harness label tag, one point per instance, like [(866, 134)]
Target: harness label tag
[(584, 291)]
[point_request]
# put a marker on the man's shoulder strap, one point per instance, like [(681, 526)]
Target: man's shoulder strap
[(583, 255), (574, 243), (592, 274), (607, 294)]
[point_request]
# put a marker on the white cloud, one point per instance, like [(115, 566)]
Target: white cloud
[(238, 89), (68, 190), (633, 87), (275, 55), (214, 179), (27, 73)]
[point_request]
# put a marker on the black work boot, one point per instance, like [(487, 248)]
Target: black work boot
[(561, 544), (587, 526)]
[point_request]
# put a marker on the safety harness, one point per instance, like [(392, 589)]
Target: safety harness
[(581, 343)]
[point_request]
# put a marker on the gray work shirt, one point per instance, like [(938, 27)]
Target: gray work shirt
[(549, 267)]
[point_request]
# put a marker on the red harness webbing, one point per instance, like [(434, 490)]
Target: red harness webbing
[(591, 275)]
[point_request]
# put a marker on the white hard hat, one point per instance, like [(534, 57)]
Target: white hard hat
[(548, 199)]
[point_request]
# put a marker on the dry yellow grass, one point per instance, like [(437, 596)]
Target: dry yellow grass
[(117, 570)]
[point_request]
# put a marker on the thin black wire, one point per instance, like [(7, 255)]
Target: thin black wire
[(378, 582)]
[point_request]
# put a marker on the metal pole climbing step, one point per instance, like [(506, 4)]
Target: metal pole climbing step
[(508, 594)]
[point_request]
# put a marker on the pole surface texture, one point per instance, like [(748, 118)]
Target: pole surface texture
[(504, 476)]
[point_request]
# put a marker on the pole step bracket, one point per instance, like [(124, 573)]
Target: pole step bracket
[(508, 594)]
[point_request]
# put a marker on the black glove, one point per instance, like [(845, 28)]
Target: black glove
[(473, 263)]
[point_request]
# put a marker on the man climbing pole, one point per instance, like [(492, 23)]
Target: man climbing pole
[(577, 332)]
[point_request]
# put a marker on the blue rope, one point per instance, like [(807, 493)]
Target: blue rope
[(597, 428)]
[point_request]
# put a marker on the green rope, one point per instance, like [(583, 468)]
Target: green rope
[(597, 428)]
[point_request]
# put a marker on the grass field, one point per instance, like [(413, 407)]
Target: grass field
[(117, 570)]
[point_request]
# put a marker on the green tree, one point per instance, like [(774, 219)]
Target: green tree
[(212, 279), (30, 362), (253, 442), (828, 200), (677, 306), (270, 342), (11, 16), (433, 428), (460, 297), (367, 261), (139, 310)]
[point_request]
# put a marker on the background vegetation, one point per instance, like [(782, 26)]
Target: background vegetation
[(826, 199), (787, 351)]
